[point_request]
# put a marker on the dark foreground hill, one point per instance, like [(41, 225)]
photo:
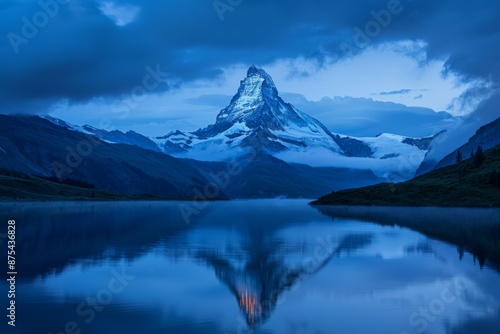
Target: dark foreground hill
[(487, 137), (265, 176), (469, 183), (19, 186), (35, 146)]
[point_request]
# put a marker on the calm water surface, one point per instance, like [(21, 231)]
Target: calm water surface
[(267, 266)]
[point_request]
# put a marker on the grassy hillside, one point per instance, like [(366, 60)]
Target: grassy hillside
[(18, 186), (464, 184)]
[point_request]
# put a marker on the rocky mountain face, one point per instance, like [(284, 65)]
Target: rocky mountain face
[(277, 149), (488, 136), (36, 146), (258, 119)]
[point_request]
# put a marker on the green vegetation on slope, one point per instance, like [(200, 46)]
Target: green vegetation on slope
[(18, 186), (469, 183)]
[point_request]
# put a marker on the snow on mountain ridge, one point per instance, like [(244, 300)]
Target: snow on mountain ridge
[(255, 113), (258, 118)]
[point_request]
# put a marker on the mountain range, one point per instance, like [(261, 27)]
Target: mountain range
[(259, 147), (257, 118), (33, 145)]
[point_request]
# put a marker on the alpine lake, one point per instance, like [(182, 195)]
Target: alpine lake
[(248, 266)]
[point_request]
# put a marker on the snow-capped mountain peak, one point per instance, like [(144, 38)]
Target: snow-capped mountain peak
[(257, 109), (256, 116), (256, 73), (256, 92)]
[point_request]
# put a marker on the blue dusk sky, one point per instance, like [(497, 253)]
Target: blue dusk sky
[(156, 66)]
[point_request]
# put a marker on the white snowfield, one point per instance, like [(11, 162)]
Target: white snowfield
[(390, 155)]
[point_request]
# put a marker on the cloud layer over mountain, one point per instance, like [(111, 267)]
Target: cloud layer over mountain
[(79, 50)]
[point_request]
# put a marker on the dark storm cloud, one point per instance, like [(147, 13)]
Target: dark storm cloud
[(78, 53), (401, 92), (397, 92)]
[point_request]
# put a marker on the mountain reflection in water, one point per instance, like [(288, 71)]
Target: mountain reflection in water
[(264, 266), (264, 276)]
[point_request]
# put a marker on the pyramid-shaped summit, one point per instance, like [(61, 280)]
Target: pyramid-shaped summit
[(256, 116), (258, 106), (253, 104)]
